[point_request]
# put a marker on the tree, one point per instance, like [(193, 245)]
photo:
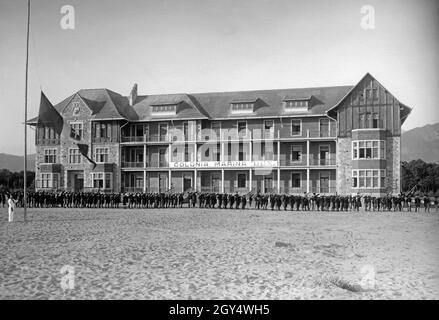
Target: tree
[(421, 174), (14, 180)]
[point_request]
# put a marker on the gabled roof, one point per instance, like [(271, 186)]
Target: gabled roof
[(107, 104), (189, 109), (270, 102), (104, 104), (405, 110)]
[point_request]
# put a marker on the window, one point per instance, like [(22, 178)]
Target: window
[(296, 153), (50, 156), (368, 179), (242, 107), (368, 149), (354, 178), (242, 128), (296, 127), (74, 156), (267, 151), (98, 180), (216, 127), (292, 104), (324, 127), (165, 109), (101, 155), (76, 130), (102, 180), (49, 180), (163, 131), (139, 130), (242, 180), (268, 128), (45, 180), (102, 130), (108, 180), (296, 179), (186, 153), (185, 130), (241, 154), (46, 133)]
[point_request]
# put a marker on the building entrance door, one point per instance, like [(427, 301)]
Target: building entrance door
[(187, 182), (163, 182), (215, 181), (75, 180), (79, 182), (324, 155), (268, 184), (324, 182)]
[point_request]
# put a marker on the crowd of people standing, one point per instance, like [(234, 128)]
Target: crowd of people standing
[(258, 200)]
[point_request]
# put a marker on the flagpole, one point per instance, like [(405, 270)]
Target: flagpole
[(25, 114)]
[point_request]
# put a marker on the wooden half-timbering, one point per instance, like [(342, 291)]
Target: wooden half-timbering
[(369, 99)]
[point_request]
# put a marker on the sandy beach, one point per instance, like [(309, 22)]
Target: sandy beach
[(219, 254)]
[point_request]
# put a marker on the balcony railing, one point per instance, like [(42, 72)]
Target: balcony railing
[(322, 162), (291, 163), (158, 138), (224, 135), (132, 138), (126, 164), (157, 164)]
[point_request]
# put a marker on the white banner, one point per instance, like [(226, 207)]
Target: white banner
[(224, 164)]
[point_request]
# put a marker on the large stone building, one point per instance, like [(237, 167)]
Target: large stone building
[(344, 139)]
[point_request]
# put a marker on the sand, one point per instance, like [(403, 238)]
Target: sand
[(218, 254)]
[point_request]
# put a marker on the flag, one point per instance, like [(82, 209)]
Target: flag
[(83, 149), (48, 116)]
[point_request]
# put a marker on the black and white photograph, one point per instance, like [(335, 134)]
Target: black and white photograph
[(219, 150)]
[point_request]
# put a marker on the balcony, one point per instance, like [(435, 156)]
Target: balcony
[(157, 164), (293, 163), (158, 138), (132, 139), (322, 162), (125, 164)]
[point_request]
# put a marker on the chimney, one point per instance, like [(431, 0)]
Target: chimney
[(133, 95)]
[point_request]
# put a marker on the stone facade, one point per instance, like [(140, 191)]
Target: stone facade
[(77, 111), (344, 165), (393, 161)]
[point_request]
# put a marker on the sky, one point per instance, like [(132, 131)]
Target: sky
[(189, 46)]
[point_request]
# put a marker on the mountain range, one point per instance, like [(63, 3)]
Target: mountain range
[(421, 143), (15, 163), (418, 143)]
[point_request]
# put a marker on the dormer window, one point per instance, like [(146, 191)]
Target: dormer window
[(296, 104), (242, 107), (291, 104), (164, 110)]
